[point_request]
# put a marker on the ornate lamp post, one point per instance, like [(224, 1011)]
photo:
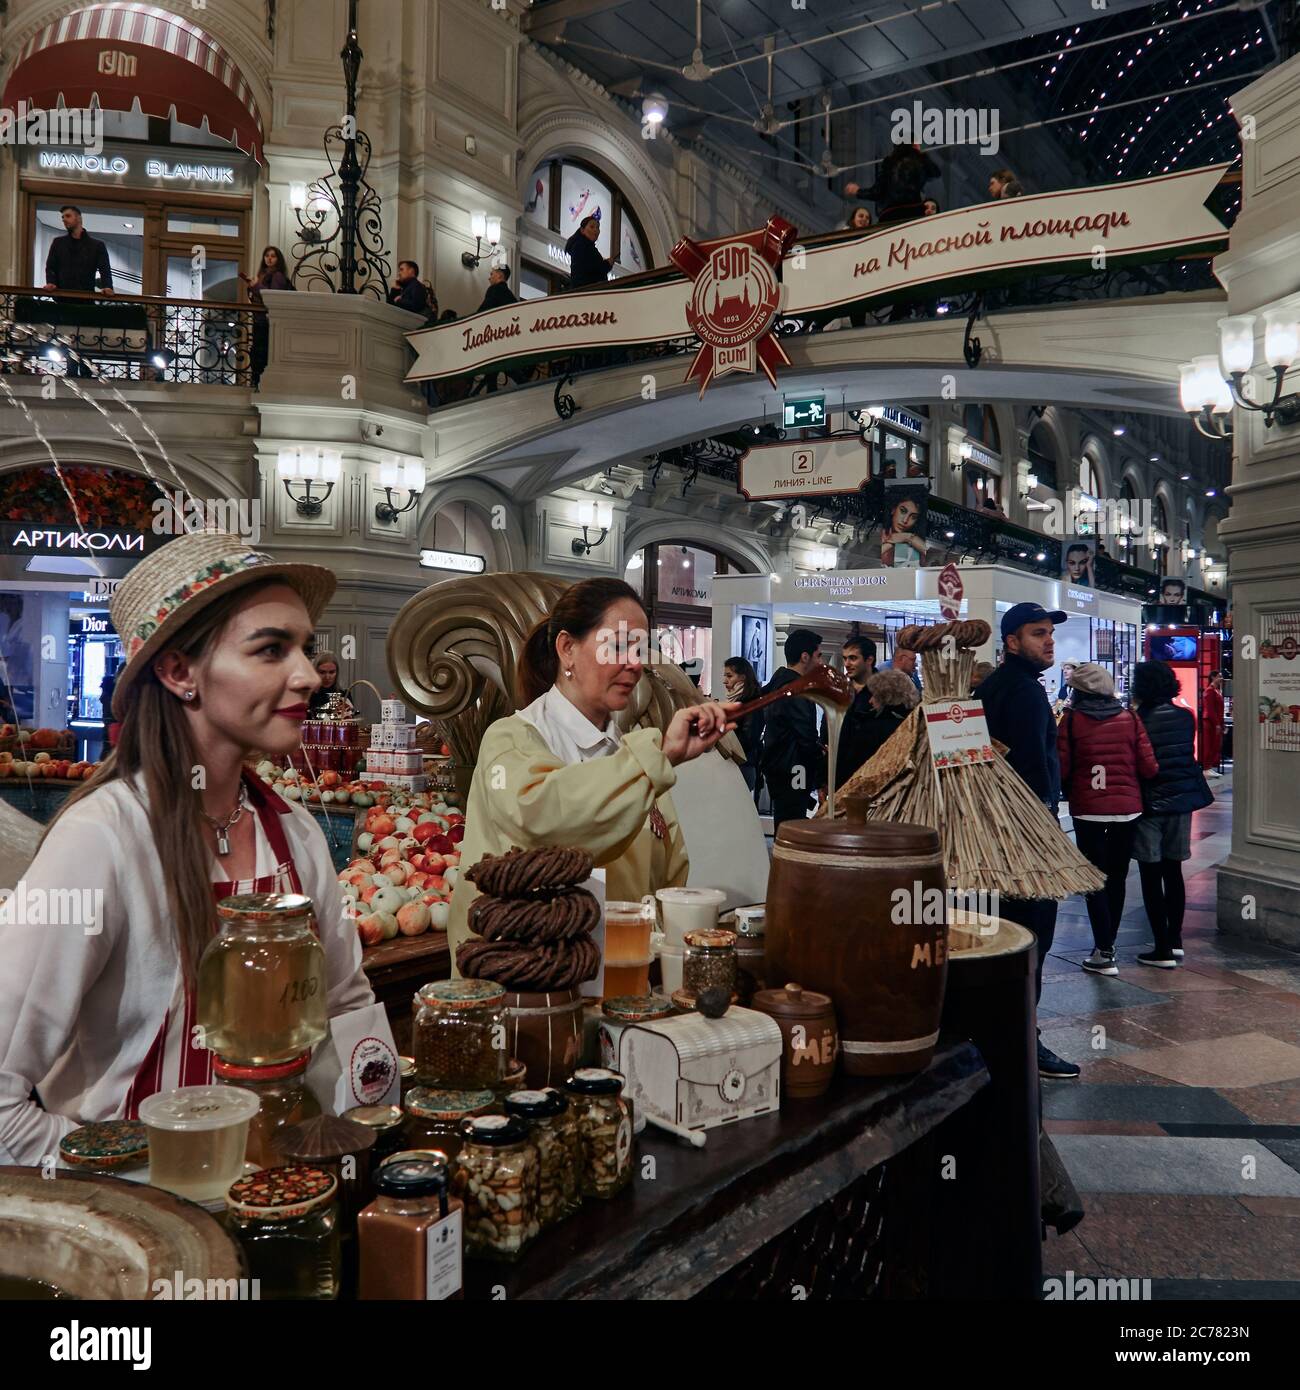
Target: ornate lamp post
[(340, 229)]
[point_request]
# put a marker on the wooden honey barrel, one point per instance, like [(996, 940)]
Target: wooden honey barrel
[(858, 911), (545, 1032)]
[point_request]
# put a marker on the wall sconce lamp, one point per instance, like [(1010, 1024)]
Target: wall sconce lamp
[(481, 228), (592, 516), (394, 474), (1031, 482), (309, 464)]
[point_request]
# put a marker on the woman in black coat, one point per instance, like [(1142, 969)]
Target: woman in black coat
[(1162, 841), (742, 684), (893, 698), (586, 265)]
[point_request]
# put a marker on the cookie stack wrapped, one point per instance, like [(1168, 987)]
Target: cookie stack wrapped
[(532, 922)]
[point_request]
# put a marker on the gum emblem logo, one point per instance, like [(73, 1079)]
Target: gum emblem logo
[(956, 713), (734, 300), (733, 1085)]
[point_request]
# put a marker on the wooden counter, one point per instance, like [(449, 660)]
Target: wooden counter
[(828, 1198), (397, 968)]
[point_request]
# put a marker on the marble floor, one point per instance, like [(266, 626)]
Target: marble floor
[(1183, 1131)]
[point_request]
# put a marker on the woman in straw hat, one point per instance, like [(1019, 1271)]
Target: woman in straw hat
[(97, 1006)]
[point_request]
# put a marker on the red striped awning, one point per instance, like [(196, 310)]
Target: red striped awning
[(120, 56)]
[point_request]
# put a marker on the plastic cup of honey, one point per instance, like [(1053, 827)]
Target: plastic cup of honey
[(197, 1137)]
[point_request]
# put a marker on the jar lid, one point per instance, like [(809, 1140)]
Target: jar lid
[(711, 939), (325, 1137), (406, 1068), (430, 1104), (264, 907), (193, 1108), (418, 1155), (406, 1176), (534, 1105), (277, 1071), (751, 921), (380, 1118), (107, 1144), (791, 1002), (462, 994), (882, 839), (694, 897), (497, 1130), (282, 1194), (636, 1008), (595, 1081)]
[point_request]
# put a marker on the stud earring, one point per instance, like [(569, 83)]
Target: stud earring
[(569, 673), (189, 695)]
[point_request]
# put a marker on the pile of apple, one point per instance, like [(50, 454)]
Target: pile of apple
[(408, 865), (332, 789), (44, 766)]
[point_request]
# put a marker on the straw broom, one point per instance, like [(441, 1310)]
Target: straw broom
[(997, 836)]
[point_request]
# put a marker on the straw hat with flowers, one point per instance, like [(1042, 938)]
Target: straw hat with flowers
[(167, 589)]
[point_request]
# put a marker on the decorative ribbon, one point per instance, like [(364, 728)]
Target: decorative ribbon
[(903, 1045), (734, 301)]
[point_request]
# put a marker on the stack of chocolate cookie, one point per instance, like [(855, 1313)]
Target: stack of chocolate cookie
[(532, 921)]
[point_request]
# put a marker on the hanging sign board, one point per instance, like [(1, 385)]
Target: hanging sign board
[(764, 273), (806, 469)]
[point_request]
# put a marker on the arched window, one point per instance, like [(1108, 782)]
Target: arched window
[(1160, 526), (1043, 455), (981, 425), (560, 195), (1089, 478)]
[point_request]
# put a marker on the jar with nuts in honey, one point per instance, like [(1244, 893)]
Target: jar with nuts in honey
[(605, 1126), (496, 1178), (559, 1178), (460, 1035)]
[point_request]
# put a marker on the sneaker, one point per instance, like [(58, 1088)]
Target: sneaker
[(1057, 1068), (1213, 774), (1177, 949), (1160, 962), (1101, 963)]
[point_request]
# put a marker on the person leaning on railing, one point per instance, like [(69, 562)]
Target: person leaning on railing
[(272, 274)]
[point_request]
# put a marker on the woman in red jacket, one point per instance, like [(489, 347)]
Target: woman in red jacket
[(1104, 752), (1211, 748)]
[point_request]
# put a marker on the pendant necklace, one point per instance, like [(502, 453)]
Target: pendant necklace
[(223, 835)]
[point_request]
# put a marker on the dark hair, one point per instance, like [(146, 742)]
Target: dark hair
[(589, 218), (503, 270), (1154, 683), (864, 644), (280, 263), (1004, 176), (578, 611), (745, 670), (448, 316), (69, 207), (799, 643), (415, 267), (1079, 545)]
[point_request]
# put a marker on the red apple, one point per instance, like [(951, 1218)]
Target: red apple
[(426, 830), (370, 930), (456, 834)]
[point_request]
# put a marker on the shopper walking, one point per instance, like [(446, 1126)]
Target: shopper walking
[(794, 761), (1019, 716), (586, 265), (1163, 838), (1212, 725), (93, 1022), (1104, 754), (855, 733), (741, 683), (409, 292)]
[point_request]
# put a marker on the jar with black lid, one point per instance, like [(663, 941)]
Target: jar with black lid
[(559, 1177), (605, 1126), (496, 1178)]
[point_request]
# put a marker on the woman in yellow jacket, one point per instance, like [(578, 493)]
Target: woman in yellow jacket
[(558, 772)]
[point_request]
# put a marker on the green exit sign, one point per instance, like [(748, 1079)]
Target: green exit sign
[(805, 413)]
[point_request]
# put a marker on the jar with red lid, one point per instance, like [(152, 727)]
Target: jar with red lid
[(287, 1220), (285, 1099)]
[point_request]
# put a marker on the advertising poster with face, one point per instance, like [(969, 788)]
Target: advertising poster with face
[(753, 643), (1079, 564), (902, 543), (1279, 682), (1173, 592)]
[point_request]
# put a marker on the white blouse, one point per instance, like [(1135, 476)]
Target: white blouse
[(566, 731), (81, 1006)]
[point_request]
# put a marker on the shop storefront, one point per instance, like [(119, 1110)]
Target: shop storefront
[(755, 609), (675, 583), (561, 194), (169, 186), (900, 441)]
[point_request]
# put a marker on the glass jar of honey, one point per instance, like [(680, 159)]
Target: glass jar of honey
[(285, 1099), (604, 1118), (287, 1220), (460, 1035), (559, 1178), (262, 983), (434, 1118)]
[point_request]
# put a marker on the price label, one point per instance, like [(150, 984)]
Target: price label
[(443, 1269)]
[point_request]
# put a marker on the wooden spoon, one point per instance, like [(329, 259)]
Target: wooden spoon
[(821, 680)]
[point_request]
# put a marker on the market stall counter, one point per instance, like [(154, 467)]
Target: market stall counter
[(841, 1196)]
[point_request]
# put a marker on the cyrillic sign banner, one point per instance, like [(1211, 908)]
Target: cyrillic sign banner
[(1082, 228), (796, 469)]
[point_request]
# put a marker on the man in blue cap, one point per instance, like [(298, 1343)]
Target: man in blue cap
[(1020, 715)]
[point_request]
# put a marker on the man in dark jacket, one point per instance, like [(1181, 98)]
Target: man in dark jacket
[(794, 761), (586, 265), (498, 290), (898, 189), (409, 293), (76, 259), (1020, 716), (855, 734)]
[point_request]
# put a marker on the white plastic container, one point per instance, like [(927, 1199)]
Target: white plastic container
[(687, 910), (197, 1137), (672, 959)]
